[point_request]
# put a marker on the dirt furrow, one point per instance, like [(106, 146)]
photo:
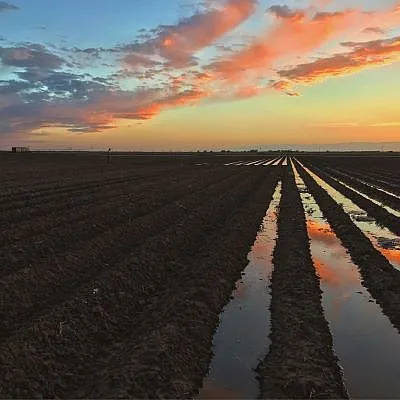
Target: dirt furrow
[(373, 179), (78, 209), (71, 234), (42, 205), (37, 189), (185, 315), (300, 362), (380, 214), (379, 276), (379, 195), (25, 293), (100, 316)]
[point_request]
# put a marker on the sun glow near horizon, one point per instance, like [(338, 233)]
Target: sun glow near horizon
[(319, 73)]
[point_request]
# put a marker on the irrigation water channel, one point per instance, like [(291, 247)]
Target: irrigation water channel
[(382, 238), (364, 183), (242, 338), (389, 209), (366, 343)]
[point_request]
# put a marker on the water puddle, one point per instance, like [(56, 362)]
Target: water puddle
[(253, 162), (270, 162), (277, 161), (365, 342), (234, 163), (241, 339), (261, 162), (382, 238), (247, 162)]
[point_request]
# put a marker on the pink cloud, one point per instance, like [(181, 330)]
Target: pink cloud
[(363, 55), (178, 43), (295, 33)]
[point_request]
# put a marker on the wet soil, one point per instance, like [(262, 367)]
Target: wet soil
[(241, 339), (301, 362), (379, 276), (362, 334), (131, 311), (380, 195), (380, 214), (381, 170)]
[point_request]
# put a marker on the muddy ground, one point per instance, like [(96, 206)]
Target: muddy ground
[(120, 298), (113, 276), (380, 278), (371, 191), (377, 169), (300, 362), (382, 216)]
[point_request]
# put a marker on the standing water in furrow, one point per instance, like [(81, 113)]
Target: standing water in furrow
[(366, 343), (242, 337), (277, 161), (387, 208), (382, 238)]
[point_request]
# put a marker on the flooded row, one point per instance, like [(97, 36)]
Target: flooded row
[(366, 343), (368, 184), (377, 202), (382, 238), (241, 339), (261, 162)]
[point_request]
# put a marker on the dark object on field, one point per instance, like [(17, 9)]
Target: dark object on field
[(20, 149), (108, 155)]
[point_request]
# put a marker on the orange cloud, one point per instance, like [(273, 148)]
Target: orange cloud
[(294, 34), (285, 87), (178, 43), (188, 97), (166, 61), (363, 55), (297, 33)]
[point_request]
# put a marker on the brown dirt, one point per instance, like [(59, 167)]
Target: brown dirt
[(376, 211), (380, 278), (300, 363), (131, 311), (374, 193)]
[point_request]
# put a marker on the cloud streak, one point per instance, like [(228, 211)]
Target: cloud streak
[(363, 55), (178, 43), (7, 7), (297, 33), (34, 55), (49, 89)]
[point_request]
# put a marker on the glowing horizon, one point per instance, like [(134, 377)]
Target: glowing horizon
[(195, 74)]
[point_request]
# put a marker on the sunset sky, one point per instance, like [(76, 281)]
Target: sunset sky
[(188, 75)]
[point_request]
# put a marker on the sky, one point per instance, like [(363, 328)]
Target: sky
[(191, 74)]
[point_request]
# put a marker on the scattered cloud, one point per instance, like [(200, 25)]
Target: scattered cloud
[(286, 12), (161, 69), (346, 125), (7, 7), (363, 55), (178, 43), (294, 34), (375, 30), (285, 87), (33, 55)]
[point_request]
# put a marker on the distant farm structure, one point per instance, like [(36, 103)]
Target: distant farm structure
[(20, 149)]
